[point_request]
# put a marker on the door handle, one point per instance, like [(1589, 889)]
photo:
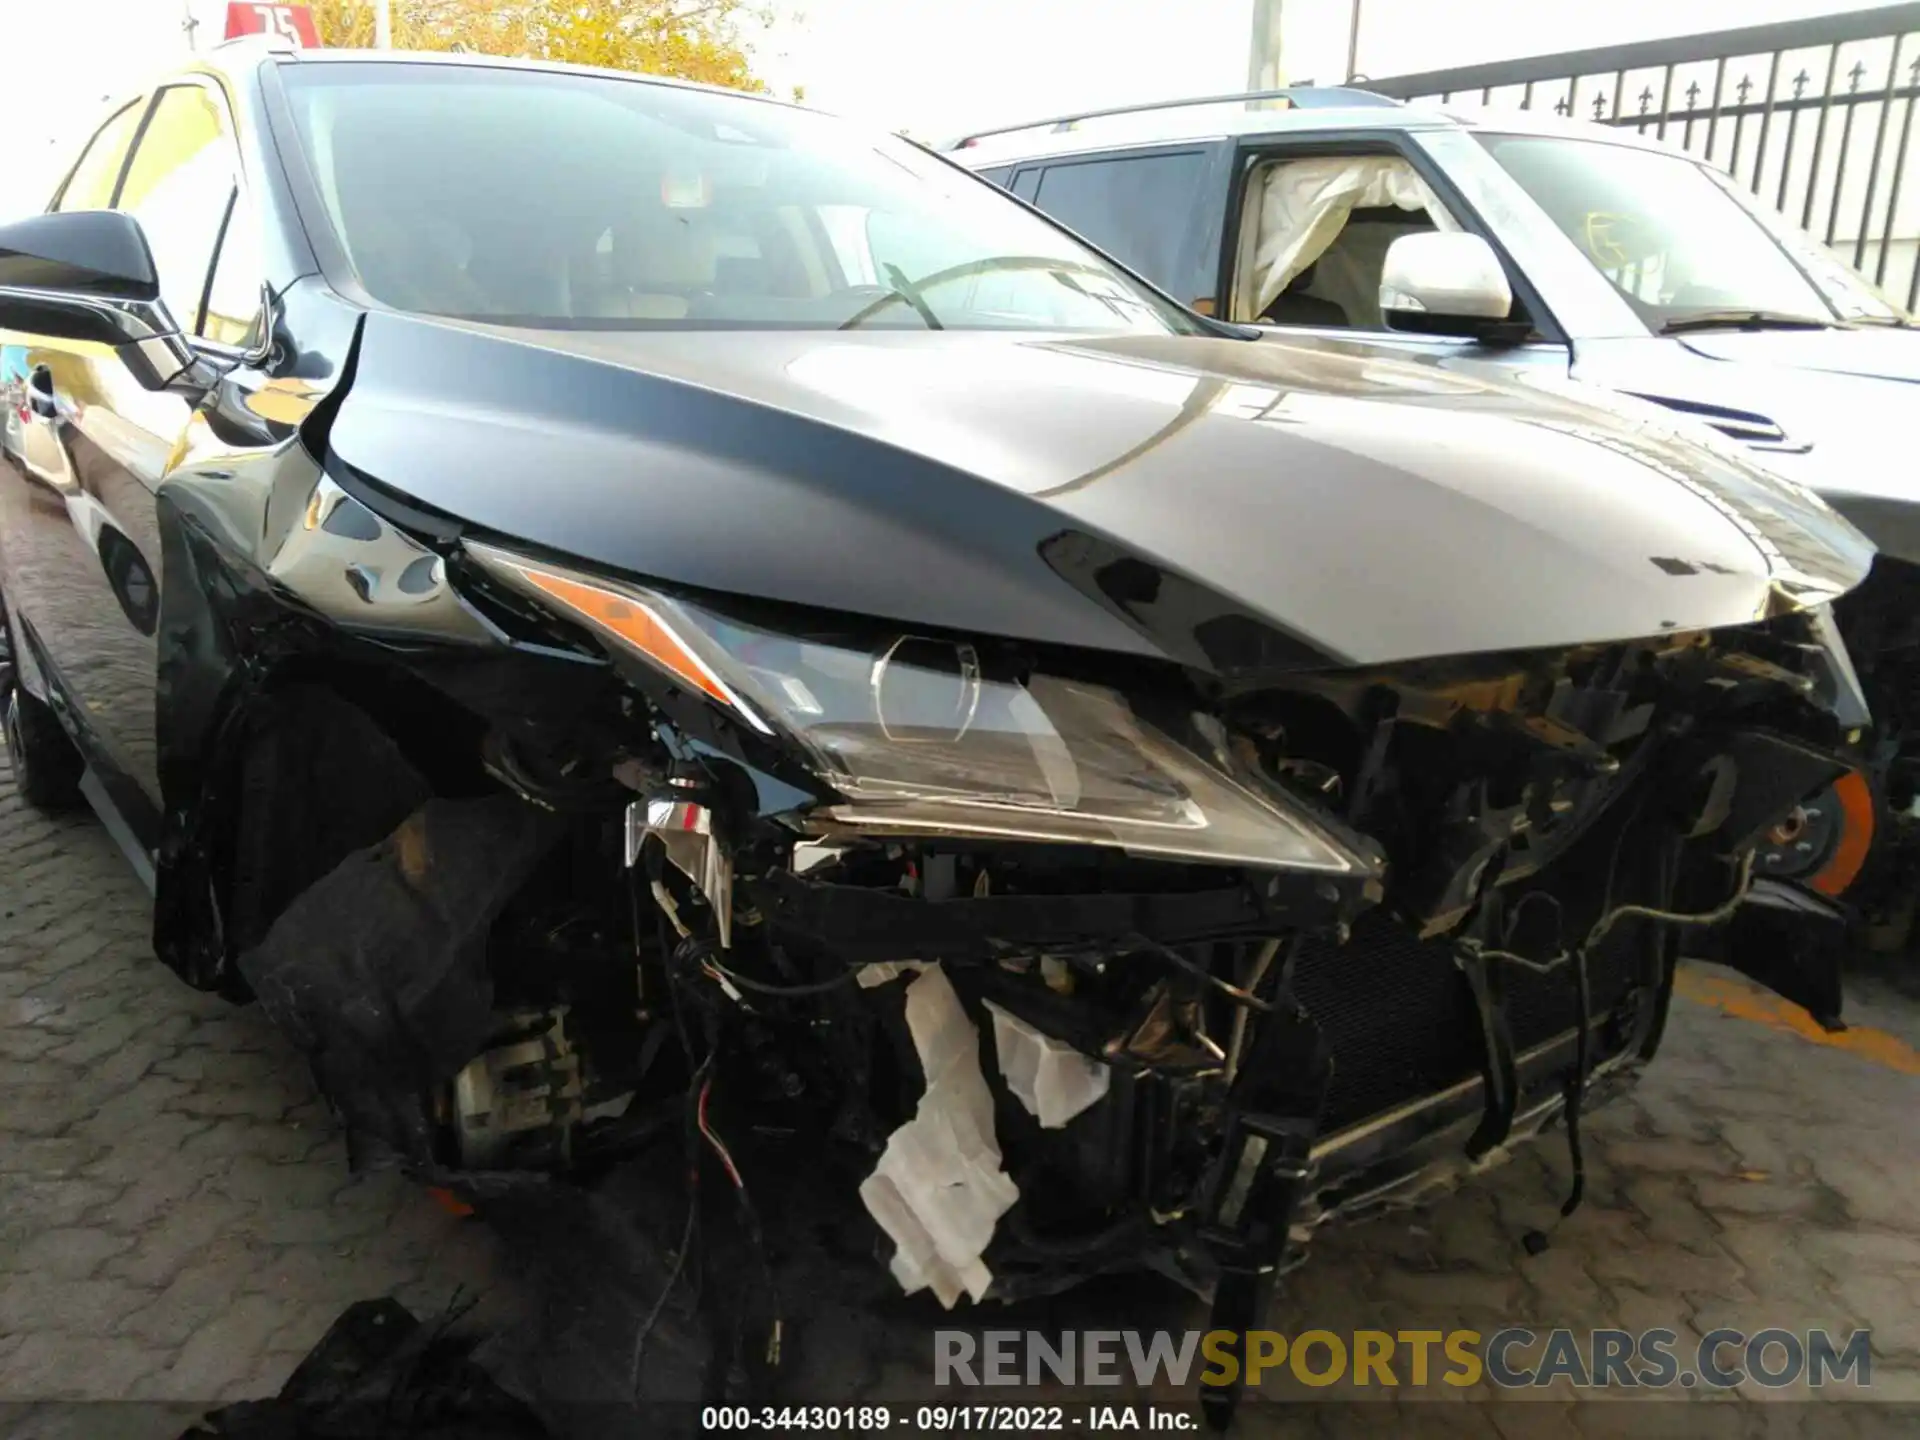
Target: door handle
[(40, 392)]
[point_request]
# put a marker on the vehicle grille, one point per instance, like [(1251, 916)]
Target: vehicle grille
[(1400, 1018)]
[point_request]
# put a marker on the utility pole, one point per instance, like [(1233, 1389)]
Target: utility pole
[(383, 24), (190, 25), (1264, 68), (1353, 44)]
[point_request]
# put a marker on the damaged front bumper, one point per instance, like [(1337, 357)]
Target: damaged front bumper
[(1061, 966)]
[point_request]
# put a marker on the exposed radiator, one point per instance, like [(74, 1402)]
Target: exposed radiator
[(1400, 1018)]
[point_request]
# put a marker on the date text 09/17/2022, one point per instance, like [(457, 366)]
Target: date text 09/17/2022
[(950, 1419)]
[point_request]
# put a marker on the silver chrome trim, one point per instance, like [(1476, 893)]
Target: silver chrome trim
[(118, 830), (1472, 1085)]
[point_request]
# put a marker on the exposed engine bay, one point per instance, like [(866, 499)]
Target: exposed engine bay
[(1077, 788), (1054, 968), (1155, 938)]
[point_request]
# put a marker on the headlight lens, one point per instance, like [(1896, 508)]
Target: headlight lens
[(627, 615), (918, 739)]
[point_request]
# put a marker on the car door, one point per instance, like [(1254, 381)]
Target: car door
[(37, 537), (1309, 224), (25, 370), (92, 597)]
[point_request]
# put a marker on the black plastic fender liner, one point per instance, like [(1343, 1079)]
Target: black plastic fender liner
[(1776, 772), (316, 779), (1785, 937), (379, 1370), (377, 971), (1794, 943)]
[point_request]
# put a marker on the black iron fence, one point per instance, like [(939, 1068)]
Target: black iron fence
[(1816, 116)]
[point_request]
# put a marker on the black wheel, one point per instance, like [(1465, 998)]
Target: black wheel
[(46, 767)]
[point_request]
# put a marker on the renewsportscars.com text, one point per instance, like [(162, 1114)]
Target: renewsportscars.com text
[(1512, 1358)]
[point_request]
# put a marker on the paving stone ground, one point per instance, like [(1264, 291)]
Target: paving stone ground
[(177, 1222)]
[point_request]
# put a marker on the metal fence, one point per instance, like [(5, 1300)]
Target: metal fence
[(1817, 116)]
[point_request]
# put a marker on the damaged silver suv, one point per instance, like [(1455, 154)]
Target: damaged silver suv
[(688, 623)]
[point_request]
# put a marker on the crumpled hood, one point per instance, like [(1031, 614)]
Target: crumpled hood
[(1229, 504), (1878, 354)]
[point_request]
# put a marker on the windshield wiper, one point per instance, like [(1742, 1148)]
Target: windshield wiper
[(1744, 320), (902, 289)]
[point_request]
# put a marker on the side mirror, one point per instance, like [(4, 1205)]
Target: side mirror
[(1446, 282), (88, 275)]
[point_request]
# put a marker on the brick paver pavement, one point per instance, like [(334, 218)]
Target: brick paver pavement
[(176, 1216), (177, 1221)]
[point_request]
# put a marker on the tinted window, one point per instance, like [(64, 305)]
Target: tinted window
[(544, 198), (178, 187), (91, 185), (998, 176), (1138, 208)]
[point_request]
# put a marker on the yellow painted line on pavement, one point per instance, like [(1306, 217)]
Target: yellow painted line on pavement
[(1765, 1008)]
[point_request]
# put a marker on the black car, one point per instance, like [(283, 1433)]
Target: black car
[(620, 611)]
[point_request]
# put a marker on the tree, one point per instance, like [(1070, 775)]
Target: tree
[(691, 39)]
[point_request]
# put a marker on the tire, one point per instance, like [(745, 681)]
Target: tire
[(46, 767)]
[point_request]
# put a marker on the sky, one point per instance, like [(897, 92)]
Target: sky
[(933, 67)]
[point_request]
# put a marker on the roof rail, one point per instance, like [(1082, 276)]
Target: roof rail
[(1303, 97)]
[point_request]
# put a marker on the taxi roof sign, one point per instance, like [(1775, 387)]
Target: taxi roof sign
[(284, 21)]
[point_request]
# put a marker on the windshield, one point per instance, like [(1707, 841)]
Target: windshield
[(1677, 241), (553, 199)]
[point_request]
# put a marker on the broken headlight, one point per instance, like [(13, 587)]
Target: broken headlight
[(921, 737)]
